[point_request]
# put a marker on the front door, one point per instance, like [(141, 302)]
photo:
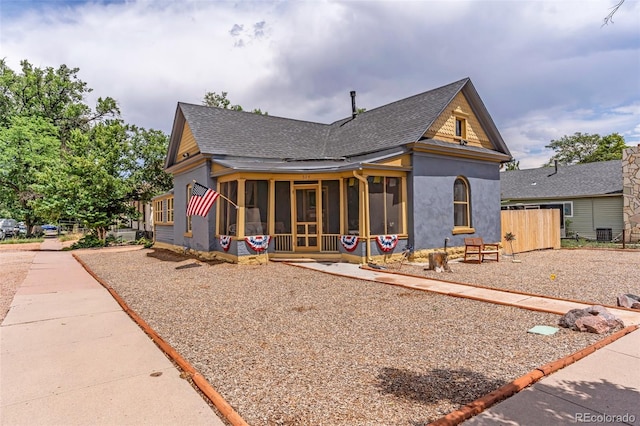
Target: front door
[(307, 218)]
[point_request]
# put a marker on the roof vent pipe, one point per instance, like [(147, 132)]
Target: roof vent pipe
[(354, 112)]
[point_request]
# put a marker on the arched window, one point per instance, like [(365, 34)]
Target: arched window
[(461, 203)]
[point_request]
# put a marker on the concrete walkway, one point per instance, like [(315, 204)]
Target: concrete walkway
[(602, 388), (71, 356)]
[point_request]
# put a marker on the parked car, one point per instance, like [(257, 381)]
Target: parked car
[(22, 228), (50, 229), (1, 235), (9, 227)]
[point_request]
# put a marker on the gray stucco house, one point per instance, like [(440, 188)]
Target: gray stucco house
[(589, 196), (416, 171)]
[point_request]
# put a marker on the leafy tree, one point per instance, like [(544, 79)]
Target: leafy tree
[(95, 187), (29, 151), (148, 148), (213, 99), (512, 165), (585, 148), (61, 159), (54, 94)]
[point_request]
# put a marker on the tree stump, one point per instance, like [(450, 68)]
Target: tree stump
[(439, 261)]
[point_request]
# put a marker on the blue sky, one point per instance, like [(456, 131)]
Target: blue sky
[(544, 69)]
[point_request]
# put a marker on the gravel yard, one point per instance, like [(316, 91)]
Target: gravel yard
[(594, 276), (286, 345)]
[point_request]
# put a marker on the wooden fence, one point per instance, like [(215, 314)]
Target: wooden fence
[(534, 229)]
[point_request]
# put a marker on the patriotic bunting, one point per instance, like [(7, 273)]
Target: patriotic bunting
[(225, 242), (349, 242), (387, 242), (258, 243)]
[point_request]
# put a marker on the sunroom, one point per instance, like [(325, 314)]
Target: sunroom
[(328, 210)]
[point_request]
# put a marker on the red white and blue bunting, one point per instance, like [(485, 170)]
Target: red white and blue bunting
[(225, 242), (387, 242), (349, 242), (258, 243)]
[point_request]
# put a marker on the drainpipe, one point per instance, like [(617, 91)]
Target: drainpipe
[(366, 210)]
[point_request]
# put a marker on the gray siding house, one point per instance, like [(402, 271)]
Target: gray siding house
[(414, 172), (589, 196)]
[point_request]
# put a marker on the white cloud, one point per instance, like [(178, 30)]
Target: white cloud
[(543, 68)]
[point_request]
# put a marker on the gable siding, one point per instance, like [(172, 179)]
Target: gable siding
[(444, 126), (187, 144), (607, 213)]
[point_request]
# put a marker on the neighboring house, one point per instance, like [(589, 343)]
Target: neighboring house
[(416, 171), (589, 196)]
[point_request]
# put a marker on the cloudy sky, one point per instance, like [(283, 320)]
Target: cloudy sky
[(544, 69)]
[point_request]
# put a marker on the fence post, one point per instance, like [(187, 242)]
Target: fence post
[(624, 238)]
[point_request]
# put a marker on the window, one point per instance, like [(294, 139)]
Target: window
[(460, 128), (188, 224), (170, 209), (385, 205), (256, 195), (461, 204), (228, 212), (158, 210), (568, 208)]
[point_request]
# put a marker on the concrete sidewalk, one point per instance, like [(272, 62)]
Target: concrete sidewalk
[(602, 388), (70, 355)]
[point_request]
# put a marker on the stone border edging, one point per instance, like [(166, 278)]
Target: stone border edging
[(479, 405), (198, 379)]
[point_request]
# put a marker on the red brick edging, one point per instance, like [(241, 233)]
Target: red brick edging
[(481, 404), (198, 379)]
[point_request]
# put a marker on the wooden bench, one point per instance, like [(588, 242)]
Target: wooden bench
[(477, 249)]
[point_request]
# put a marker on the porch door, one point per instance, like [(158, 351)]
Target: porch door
[(307, 218)]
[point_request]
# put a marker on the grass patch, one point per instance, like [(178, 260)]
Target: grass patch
[(21, 240), (583, 243)]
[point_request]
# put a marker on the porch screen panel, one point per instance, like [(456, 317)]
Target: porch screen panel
[(256, 207), (376, 205), (331, 207), (385, 205), (393, 205), (352, 192), (283, 208), (228, 213)]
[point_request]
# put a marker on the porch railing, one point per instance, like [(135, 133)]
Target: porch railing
[(330, 242), (284, 243)]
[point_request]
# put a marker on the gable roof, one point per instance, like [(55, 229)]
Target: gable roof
[(577, 180), (223, 133)]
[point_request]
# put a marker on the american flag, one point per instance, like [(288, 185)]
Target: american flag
[(202, 198)]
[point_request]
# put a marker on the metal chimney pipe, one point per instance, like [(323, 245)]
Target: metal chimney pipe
[(354, 112)]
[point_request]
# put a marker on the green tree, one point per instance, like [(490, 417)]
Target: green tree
[(512, 165), (61, 159), (586, 148), (148, 149), (213, 99), (94, 186), (54, 94), (29, 152)]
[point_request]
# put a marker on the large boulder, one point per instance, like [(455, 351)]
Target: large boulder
[(593, 324), (569, 319), (594, 319), (629, 301)]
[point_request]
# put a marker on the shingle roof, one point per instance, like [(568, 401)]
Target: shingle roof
[(578, 180), (222, 132)]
